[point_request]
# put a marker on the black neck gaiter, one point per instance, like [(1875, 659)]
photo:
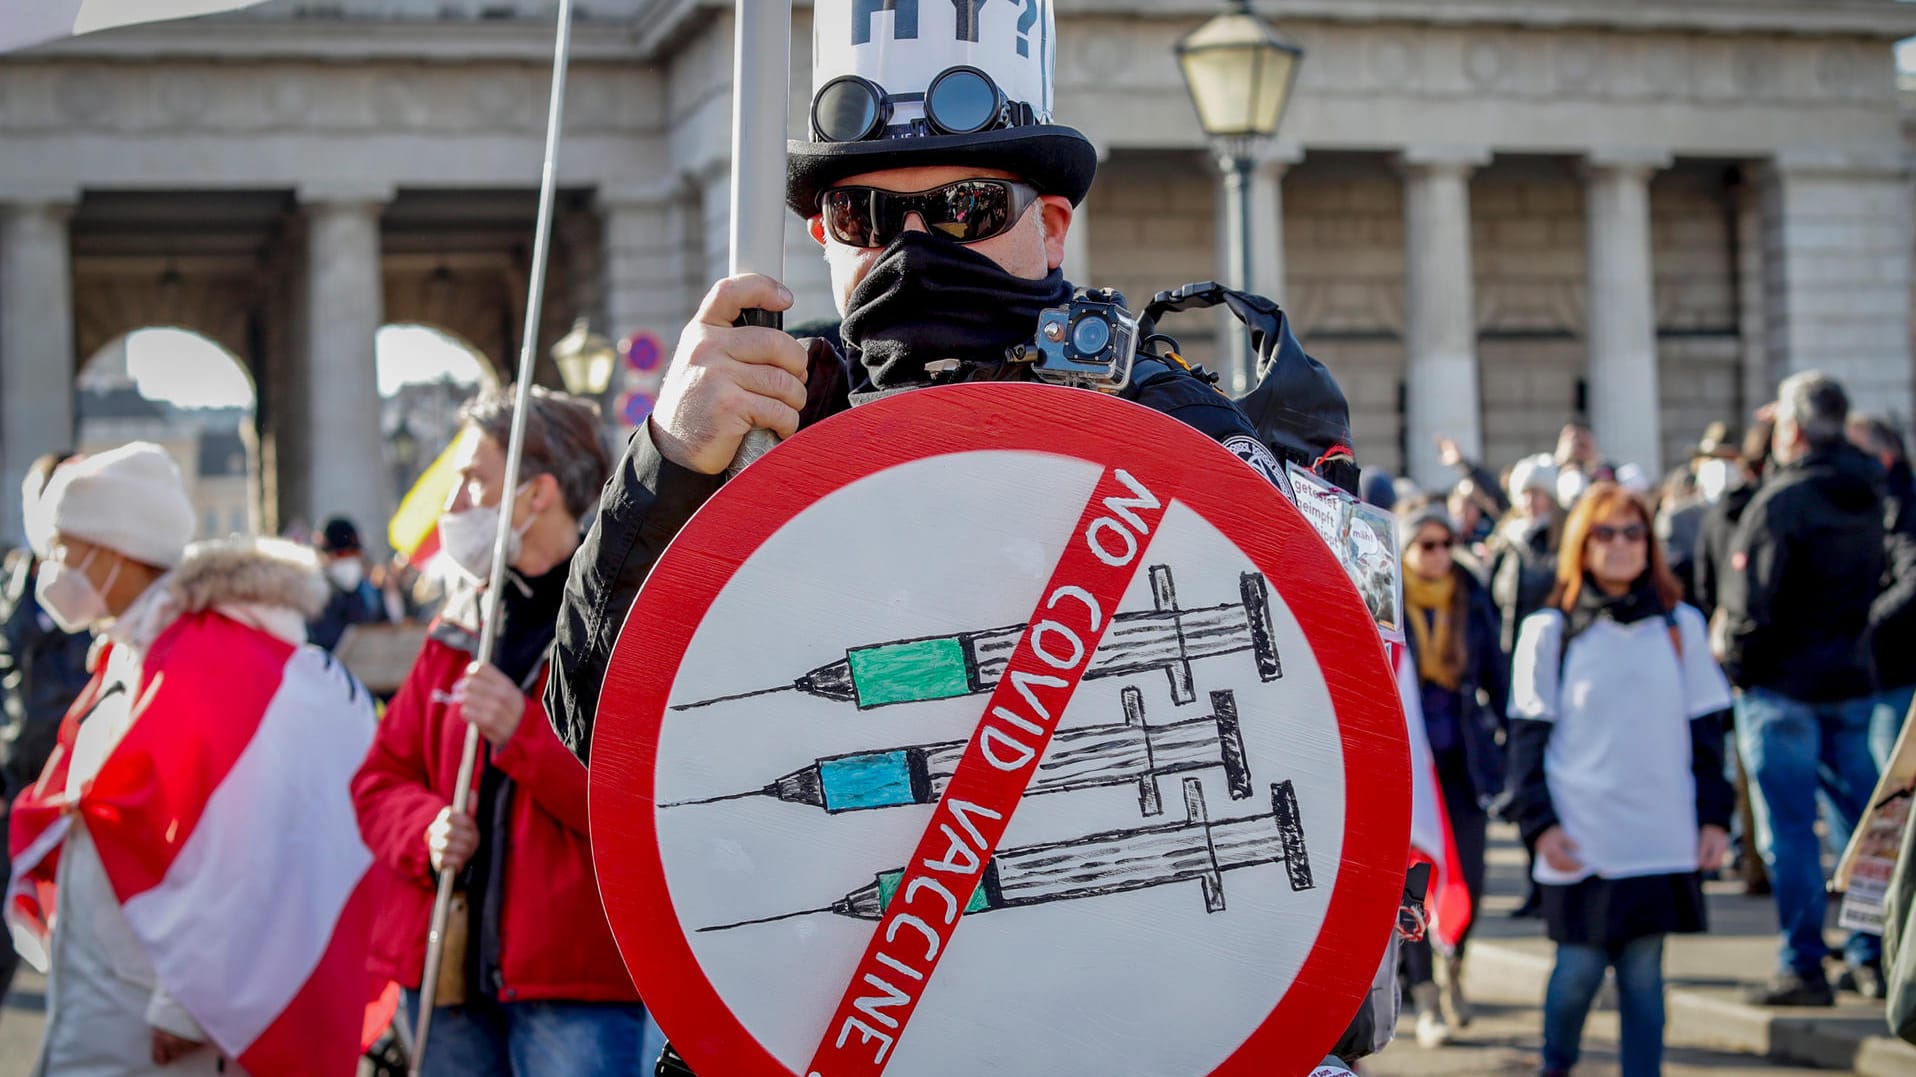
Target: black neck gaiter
[(928, 298)]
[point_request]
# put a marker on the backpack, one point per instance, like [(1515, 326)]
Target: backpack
[(1296, 406)]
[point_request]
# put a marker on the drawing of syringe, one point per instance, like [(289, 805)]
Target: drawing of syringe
[(1081, 758), (966, 663), (1115, 862)]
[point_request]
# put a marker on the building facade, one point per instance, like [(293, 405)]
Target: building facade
[(1484, 215)]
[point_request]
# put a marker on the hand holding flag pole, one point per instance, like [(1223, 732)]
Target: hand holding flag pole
[(761, 79), (489, 623)]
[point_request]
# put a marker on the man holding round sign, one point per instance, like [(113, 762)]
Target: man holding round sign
[(1035, 662)]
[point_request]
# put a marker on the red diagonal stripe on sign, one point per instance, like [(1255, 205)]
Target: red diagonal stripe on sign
[(914, 931)]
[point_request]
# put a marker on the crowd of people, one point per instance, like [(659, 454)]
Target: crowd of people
[(1579, 654), (1598, 658)]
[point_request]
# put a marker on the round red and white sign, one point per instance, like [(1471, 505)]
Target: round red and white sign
[(1000, 729)]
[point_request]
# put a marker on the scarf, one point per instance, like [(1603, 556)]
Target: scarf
[(1640, 602), (1434, 620), (929, 298)]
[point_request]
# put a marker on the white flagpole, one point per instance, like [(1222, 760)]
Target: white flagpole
[(761, 81), (489, 623)]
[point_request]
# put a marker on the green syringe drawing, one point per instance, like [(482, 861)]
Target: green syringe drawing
[(1115, 862), (1080, 758), (966, 663)]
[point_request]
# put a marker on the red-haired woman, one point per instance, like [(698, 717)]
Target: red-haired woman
[(1617, 715)]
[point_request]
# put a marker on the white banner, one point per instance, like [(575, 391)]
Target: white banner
[(24, 23)]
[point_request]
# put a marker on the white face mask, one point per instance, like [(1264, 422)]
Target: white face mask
[(1716, 477), (346, 573), (467, 537), (69, 596)]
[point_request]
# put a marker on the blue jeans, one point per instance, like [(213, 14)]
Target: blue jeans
[(1796, 750), (1573, 987), (531, 1039), (1886, 721)]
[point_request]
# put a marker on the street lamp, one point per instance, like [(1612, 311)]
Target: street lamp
[(405, 449), (1240, 74), (585, 360)]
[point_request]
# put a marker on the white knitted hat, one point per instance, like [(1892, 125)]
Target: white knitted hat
[(131, 500), (1537, 472)]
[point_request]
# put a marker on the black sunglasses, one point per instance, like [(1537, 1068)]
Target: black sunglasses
[(967, 211), (1628, 533)]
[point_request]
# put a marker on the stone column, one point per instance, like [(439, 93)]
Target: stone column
[(1440, 317), (654, 273), (1621, 338), (36, 346), (1267, 220), (344, 465), (1837, 268)]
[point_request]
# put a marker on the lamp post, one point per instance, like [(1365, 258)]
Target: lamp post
[(1240, 74), (405, 450), (585, 360)]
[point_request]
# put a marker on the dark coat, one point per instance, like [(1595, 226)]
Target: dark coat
[(1713, 542), (1806, 564), (1522, 575), (1468, 719), (42, 669), (1892, 617), (361, 605)]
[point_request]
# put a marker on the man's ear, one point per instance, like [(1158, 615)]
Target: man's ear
[(816, 226), (545, 492), (1055, 215)]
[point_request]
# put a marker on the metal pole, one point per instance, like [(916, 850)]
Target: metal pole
[(761, 82), (489, 617), (1237, 190)]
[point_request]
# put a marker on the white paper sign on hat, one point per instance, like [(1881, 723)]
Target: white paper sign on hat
[(904, 83), (901, 45)]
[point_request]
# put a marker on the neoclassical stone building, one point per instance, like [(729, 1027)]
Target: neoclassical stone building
[(1485, 215)]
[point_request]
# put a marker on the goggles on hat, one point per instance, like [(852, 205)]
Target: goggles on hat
[(961, 100), (968, 211)]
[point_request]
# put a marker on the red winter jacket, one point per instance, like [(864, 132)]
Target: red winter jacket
[(554, 940)]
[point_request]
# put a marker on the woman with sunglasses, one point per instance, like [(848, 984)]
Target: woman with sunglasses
[(1617, 714), (1461, 683)]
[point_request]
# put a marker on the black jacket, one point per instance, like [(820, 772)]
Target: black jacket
[(1523, 572), (1713, 542), (1892, 617), (361, 605), (1480, 699), (648, 499), (42, 669), (1806, 564)]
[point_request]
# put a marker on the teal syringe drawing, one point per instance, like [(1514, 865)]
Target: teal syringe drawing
[(1081, 758), (1115, 862), (966, 663)]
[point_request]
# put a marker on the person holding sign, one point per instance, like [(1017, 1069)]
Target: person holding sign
[(940, 192)]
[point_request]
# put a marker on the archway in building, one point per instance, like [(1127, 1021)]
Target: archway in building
[(191, 396), (425, 373)]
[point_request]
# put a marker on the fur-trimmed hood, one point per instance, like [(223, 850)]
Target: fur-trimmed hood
[(271, 583), (249, 572)]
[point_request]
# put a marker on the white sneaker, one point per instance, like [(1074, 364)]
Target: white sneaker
[(1432, 1029)]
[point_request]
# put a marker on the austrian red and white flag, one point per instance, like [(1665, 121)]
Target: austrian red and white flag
[(35, 22), (225, 824), (1431, 839)]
